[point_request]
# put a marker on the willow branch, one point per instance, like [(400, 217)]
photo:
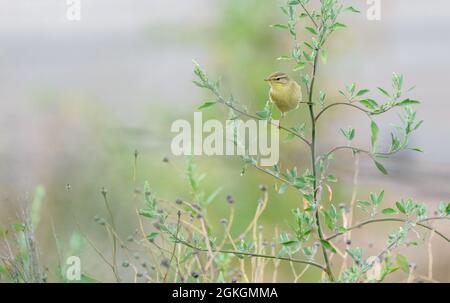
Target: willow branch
[(419, 223), (253, 255), (309, 15)]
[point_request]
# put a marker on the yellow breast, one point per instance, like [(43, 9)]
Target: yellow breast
[(286, 97)]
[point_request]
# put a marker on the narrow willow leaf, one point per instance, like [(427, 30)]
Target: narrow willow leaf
[(400, 207), (283, 188), (338, 25), (389, 211), (408, 102), (369, 103), (351, 9), (284, 58), (280, 26), (311, 30), (327, 245), (362, 92), (299, 66), (374, 133), (403, 263), (384, 92), (380, 167), (206, 105)]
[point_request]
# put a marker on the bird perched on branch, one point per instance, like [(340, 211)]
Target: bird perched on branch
[(284, 92)]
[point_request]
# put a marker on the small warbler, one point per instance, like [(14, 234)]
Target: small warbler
[(284, 92)]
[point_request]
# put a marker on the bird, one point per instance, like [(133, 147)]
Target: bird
[(284, 92)]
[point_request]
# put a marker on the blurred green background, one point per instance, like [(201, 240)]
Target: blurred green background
[(78, 98)]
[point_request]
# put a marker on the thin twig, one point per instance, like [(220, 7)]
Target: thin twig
[(419, 223), (174, 247), (253, 255)]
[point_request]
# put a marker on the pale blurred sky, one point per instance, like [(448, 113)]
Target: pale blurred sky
[(125, 54)]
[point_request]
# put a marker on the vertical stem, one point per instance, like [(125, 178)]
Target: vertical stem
[(313, 164)]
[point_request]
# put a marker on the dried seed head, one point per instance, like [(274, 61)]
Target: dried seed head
[(166, 160), (195, 274), (130, 238), (104, 191), (165, 263), (263, 187), (125, 264), (136, 256), (102, 222), (348, 242), (96, 218), (230, 199), (139, 274), (224, 221), (342, 206), (234, 280), (179, 201), (144, 264)]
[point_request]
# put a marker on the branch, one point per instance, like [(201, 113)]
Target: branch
[(367, 112), (309, 15), (224, 102), (419, 223), (253, 255), (342, 103)]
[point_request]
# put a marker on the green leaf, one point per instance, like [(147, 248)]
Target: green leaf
[(283, 188), (152, 236), (284, 58), (362, 92), (419, 150), (351, 9), (331, 179), (327, 245), (279, 26), (400, 207), (369, 103), (338, 25), (299, 66), (289, 243), (374, 133), (380, 167), (206, 105), (403, 263), (407, 102), (384, 92), (311, 30), (263, 114), (389, 211)]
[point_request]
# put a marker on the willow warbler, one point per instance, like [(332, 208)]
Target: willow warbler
[(284, 92)]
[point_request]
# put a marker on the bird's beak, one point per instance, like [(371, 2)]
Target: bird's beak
[(267, 79)]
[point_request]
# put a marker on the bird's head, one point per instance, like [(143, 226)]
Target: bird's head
[(278, 79)]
